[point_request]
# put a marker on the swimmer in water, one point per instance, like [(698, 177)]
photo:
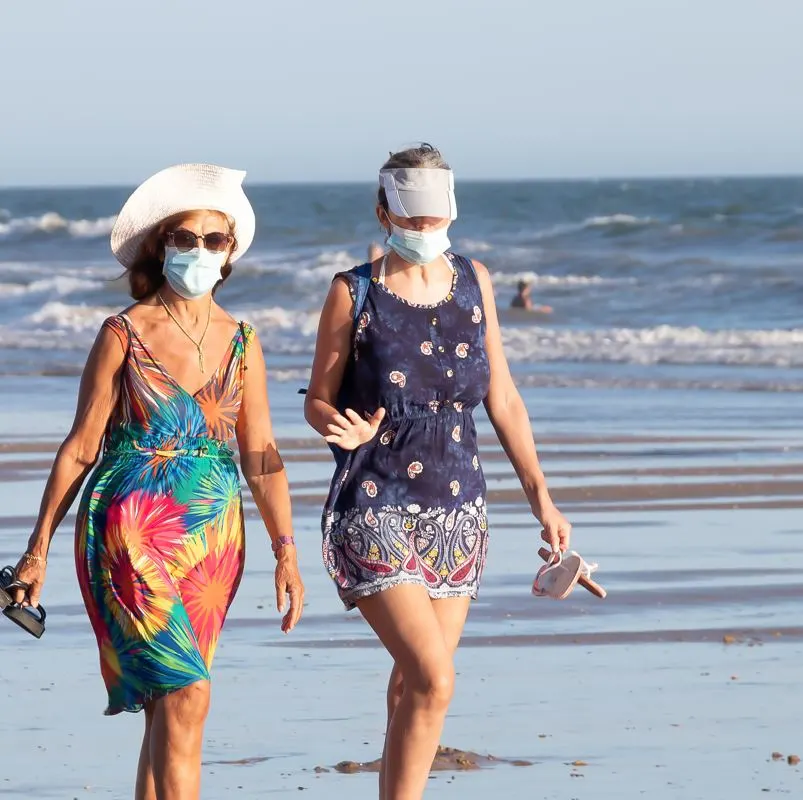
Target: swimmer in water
[(524, 301)]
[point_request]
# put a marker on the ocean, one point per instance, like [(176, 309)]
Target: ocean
[(688, 284), (663, 396)]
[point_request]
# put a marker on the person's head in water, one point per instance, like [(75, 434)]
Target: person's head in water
[(522, 298)]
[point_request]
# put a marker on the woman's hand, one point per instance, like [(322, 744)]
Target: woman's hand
[(288, 582), (557, 530), (32, 572), (350, 431)]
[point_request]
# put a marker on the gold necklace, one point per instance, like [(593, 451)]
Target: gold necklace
[(199, 343)]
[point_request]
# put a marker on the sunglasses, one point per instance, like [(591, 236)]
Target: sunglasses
[(185, 241)]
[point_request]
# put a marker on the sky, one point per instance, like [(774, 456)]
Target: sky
[(99, 92)]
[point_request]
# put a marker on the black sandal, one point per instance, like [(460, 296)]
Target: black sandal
[(28, 618)]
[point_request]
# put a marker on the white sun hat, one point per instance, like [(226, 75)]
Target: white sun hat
[(186, 187)]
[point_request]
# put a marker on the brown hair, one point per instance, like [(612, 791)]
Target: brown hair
[(145, 275), (425, 156)]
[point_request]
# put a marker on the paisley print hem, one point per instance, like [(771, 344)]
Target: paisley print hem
[(442, 549), (352, 598)]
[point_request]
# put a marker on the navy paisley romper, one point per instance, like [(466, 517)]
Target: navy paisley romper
[(409, 506)]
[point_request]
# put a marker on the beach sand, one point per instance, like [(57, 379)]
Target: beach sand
[(681, 684)]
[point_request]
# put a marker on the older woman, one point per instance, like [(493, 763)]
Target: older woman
[(407, 347), (160, 534)]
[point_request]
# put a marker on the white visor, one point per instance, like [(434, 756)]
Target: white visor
[(420, 192)]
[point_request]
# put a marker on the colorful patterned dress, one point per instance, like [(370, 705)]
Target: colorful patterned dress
[(160, 537), (409, 506)]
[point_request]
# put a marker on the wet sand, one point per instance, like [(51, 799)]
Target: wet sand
[(687, 487), (682, 683)]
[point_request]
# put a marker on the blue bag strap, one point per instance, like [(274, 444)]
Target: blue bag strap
[(363, 283), (363, 275)]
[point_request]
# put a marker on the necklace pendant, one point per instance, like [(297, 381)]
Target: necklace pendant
[(201, 360)]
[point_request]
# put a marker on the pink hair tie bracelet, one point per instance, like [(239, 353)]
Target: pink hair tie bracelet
[(282, 541)]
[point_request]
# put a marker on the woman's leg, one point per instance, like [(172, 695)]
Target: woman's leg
[(406, 623), (451, 613), (144, 789), (394, 696), (176, 742)]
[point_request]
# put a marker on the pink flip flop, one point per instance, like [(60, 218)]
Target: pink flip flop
[(561, 573), (558, 576)]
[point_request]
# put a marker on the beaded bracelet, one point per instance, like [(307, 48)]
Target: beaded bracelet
[(30, 557)]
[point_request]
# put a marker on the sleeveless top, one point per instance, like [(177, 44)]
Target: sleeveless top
[(154, 411), (411, 502)]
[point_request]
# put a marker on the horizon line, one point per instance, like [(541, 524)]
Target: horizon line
[(591, 179)]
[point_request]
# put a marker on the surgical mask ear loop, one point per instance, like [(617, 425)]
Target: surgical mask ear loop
[(389, 230)]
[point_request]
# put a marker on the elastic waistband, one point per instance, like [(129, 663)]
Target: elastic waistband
[(173, 448), (429, 410)]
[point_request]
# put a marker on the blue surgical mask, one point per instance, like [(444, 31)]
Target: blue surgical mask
[(194, 273), (419, 247)]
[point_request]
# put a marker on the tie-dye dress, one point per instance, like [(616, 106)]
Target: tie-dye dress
[(160, 537)]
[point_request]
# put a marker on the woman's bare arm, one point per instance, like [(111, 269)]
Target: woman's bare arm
[(97, 396), (78, 453), (266, 477), (510, 419)]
